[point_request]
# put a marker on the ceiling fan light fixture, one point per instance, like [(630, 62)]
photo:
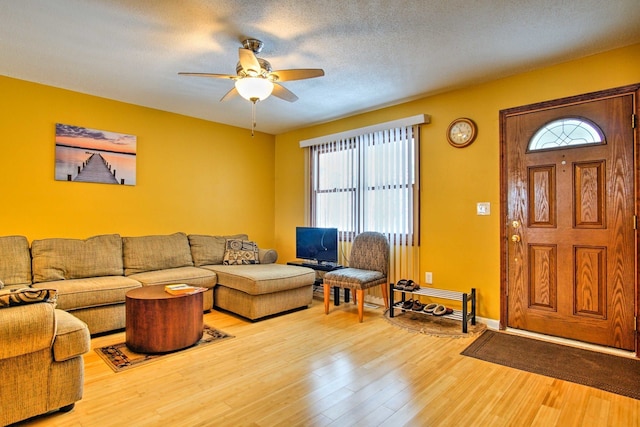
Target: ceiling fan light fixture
[(254, 88)]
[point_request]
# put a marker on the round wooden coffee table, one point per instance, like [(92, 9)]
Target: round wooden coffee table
[(158, 322)]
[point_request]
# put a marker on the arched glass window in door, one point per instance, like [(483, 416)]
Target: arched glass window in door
[(566, 132)]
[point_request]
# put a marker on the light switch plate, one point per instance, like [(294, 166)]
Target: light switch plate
[(483, 208)]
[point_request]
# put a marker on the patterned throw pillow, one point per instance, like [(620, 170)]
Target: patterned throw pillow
[(26, 296), (240, 252)]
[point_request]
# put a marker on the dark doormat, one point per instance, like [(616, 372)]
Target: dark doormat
[(616, 374)]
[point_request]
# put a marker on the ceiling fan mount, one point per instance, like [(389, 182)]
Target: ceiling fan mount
[(253, 45)]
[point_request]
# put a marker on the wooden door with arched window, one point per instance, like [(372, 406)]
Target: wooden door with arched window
[(569, 264)]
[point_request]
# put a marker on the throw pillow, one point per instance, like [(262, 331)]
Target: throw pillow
[(209, 250), (240, 252), (26, 296)]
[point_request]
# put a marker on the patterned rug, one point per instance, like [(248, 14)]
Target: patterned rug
[(616, 374), (432, 325), (120, 358)]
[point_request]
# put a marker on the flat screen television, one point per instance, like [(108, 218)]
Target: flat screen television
[(317, 244)]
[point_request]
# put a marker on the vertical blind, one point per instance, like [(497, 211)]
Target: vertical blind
[(370, 181)]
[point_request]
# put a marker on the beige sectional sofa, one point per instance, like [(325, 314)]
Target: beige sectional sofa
[(93, 275)]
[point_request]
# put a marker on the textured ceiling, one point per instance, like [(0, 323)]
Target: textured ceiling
[(374, 53)]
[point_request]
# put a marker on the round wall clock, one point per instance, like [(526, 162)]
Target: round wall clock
[(462, 132)]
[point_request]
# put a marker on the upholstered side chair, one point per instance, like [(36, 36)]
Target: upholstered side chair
[(368, 267)]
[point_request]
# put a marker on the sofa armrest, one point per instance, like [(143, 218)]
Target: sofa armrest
[(72, 337), (26, 329), (267, 256)]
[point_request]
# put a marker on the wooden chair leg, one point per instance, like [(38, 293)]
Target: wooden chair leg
[(385, 294), (327, 295), (360, 296)]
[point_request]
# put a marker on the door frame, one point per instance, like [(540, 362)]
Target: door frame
[(504, 231)]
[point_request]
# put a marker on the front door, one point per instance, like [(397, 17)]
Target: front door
[(570, 250)]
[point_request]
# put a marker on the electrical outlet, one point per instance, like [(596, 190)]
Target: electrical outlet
[(428, 277)]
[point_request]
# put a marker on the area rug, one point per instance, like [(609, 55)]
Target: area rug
[(120, 358), (616, 374), (432, 325)]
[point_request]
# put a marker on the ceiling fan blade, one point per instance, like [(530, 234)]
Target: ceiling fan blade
[(283, 93), (231, 94), (218, 76), (299, 74), (249, 62)]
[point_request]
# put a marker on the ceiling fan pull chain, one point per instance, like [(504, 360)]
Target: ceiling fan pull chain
[(253, 115)]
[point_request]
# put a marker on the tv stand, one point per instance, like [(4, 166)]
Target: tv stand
[(321, 269)]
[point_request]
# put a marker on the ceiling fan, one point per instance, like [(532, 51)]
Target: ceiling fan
[(256, 80)]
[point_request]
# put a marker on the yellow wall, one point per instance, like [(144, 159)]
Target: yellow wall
[(192, 175), (202, 177), (459, 247)]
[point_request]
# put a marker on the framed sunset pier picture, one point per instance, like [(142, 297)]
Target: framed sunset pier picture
[(90, 155)]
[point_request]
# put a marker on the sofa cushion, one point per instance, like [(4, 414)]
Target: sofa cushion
[(148, 253), (15, 260), (207, 250), (72, 337), (60, 259), (24, 296), (91, 291), (193, 276), (239, 252), (258, 279)]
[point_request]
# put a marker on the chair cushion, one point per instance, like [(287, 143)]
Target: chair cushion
[(148, 253), (207, 250), (15, 260), (354, 278), (64, 259)]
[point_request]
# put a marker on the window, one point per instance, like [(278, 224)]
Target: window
[(368, 179), (368, 183), (572, 131)]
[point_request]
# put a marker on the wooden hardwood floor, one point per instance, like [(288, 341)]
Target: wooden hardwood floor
[(309, 369)]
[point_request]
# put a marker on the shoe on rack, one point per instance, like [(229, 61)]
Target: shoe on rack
[(401, 284), (440, 310), (412, 286), (430, 307), (417, 306), (408, 304)]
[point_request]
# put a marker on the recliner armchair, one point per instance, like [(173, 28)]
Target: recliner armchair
[(40, 360)]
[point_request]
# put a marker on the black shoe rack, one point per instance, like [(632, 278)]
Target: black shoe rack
[(466, 315)]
